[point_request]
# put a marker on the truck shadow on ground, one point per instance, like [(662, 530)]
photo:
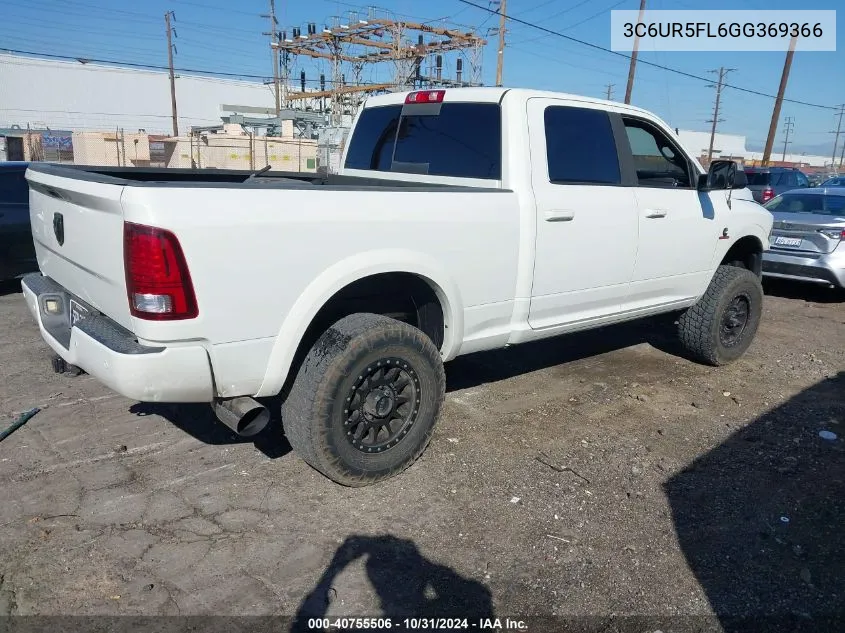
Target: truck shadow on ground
[(10, 287), (406, 582), (760, 517), (476, 369), (815, 293), (199, 421)]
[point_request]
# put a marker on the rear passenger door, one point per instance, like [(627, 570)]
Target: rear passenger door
[(677, 226), (586, 219)]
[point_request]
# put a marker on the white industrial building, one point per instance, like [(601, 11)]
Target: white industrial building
[(64, 95), (732, 146)]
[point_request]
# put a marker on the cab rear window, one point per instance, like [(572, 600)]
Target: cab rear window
[(463, 140)]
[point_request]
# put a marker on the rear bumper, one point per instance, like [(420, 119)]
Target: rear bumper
[(113, 355), (825, 269)]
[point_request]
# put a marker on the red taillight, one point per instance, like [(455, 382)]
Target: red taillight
[(157, 279), (426, 96), (768, 194)]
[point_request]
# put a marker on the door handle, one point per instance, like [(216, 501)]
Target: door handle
[(560, 215), (655, 213)]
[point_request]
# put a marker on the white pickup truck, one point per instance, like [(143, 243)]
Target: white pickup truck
[(463, 220)]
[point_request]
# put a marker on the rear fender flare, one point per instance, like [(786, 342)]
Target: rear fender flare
[(340, 275)]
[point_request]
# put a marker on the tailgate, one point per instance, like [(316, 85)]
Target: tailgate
[(77, 228)]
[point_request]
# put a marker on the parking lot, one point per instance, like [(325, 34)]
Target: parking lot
[(595, 474)]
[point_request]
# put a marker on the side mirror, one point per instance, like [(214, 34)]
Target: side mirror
[(722, 174)]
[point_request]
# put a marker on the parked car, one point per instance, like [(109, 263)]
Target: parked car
[(463, 220), (767, 182), (816, 179), (17, 252), (838, 181), (808, 236)]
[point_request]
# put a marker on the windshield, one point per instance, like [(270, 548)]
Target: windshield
[(834, 182), (807, 203), (758, 177)]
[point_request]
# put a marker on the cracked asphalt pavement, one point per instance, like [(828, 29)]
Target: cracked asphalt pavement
[(594, 474)]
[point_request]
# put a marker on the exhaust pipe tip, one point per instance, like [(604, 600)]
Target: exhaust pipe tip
[(245, 416)]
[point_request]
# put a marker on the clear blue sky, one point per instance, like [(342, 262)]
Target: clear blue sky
[(217, 37)]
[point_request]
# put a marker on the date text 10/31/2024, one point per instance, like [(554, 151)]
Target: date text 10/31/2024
[(429, 624)]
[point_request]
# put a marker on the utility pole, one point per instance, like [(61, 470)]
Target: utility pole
[(723, 72), (788, 124), (632, 68), (836, 138), (610, 91), (275, 51), (784, 78), (500, 60), (170, 48)]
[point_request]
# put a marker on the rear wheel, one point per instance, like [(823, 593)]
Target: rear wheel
[(721, 326), (365, 400)]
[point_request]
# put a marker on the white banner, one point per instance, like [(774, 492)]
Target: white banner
[(723, 30)]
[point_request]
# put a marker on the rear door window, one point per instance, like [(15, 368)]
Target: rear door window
[(461, 140), (580, 147)]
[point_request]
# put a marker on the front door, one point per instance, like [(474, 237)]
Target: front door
[(586, 220), (677, 227)]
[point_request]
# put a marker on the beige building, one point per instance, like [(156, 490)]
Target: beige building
[(234, 148), (116, 148)]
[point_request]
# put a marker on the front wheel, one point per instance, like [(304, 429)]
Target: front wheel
[(365, 400), (720, 327)]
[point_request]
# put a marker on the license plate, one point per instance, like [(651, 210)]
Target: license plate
[(77, 312), (788, 241)]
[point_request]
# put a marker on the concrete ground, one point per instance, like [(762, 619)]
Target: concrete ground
[(597, 474)]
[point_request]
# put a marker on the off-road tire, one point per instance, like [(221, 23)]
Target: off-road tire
[(314, 413), (700, 327)]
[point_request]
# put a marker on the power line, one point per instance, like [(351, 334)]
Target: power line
[(146, 66), (647, 63)]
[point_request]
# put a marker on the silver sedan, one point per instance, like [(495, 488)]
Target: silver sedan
[(808, 237)]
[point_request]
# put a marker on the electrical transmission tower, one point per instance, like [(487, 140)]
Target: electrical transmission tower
[(841, 113), (610, 91), (788, 125), (500, 58), (719, 85), (354, 41), (274, 50), (171, 32)]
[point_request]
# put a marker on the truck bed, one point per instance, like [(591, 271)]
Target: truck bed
[(263, 256), (167, 177)]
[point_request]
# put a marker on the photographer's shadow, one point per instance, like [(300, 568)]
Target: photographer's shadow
[(408, 584)]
